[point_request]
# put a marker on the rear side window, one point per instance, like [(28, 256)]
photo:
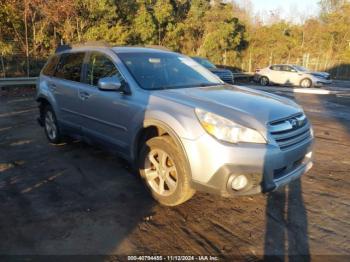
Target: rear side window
[(288, 69), (70, 66), (50, 67), (276, 68), (100, 66)]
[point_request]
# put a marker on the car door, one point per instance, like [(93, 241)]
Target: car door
[(276, 74), (290, 75), (105, 115), (65, 85), (296, 76)]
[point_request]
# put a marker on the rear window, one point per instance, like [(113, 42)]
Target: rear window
[(70, 66), (50, 66)]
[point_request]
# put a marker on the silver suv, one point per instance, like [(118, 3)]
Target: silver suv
[(182, 127)]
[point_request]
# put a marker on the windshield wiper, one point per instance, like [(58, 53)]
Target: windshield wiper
[(209, 84), (186, 86)]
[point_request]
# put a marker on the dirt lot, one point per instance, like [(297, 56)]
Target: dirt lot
[(77, 199)]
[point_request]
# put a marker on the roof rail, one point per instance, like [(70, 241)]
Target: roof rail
[(157, 47), (62, 48)]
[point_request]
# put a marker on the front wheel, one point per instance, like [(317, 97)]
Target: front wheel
[(306, 83), (161, 165)]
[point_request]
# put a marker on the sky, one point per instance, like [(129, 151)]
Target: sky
[(292, 10)]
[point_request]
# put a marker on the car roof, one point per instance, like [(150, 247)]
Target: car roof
[(282, 65), (138, 49), (116, 49)]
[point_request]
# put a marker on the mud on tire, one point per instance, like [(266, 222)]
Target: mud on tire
[(163, 148)]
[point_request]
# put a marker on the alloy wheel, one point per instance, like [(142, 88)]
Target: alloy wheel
[(160, 173), (50, 125), (264, 81), (306, 83)]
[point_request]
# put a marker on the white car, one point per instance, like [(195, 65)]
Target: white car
[(291, 75)]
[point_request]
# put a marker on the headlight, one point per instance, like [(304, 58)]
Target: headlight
[(226, 130)]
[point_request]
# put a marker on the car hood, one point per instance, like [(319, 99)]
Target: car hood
[(240, 104)]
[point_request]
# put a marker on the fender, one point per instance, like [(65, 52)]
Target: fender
[(50, 99), (165, 127)]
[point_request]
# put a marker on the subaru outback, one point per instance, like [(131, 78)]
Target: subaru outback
[(182, 127)]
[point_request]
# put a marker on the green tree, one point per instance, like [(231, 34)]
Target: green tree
[(224, 35), (144, 25), (163, 13), (189, 33)]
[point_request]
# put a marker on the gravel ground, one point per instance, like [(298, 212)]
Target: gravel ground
[(75, 199)]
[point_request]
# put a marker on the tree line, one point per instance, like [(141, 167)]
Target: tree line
[(224, 32)]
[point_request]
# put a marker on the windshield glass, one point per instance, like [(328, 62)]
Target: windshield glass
[(204, 62), (300, 68), (155, 71)]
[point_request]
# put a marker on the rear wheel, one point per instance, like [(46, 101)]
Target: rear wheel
[(264, 81), (161, 165), (306, 83), (51, 127)]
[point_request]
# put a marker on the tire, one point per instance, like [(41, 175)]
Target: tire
[(306, 83), (51, 127), (161, 165), (264, 81)]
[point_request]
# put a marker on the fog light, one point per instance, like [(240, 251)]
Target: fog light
[(239, 182), (309, 155)]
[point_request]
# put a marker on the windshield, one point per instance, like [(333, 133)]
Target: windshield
[(204, 62), (301, 69), (155, 71)]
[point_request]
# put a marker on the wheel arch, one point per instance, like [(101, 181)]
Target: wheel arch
[(153, 128), (43, 103)]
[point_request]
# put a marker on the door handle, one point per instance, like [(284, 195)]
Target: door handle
[(84, 95), (52, 87)]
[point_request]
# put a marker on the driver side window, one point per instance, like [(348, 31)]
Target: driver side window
[(100, 66)]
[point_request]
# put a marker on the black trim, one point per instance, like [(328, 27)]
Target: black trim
[(220, 182)]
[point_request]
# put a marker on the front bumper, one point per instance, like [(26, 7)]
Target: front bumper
[(322, 81), (267, 167)]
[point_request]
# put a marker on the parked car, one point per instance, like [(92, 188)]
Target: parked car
[(224, 74), (182, 127), (291, 75)]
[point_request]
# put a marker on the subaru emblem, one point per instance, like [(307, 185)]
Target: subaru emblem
[(294, 122)]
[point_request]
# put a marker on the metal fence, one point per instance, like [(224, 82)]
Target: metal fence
[(17, 66)]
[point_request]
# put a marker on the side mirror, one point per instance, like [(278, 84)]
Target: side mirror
[(109, 84)]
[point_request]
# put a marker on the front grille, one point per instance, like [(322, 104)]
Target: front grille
[(225, 76), (278, 173), (291, 131), (281, 172)]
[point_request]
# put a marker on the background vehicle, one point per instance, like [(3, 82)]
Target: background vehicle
[(183, 128), (291, 75), (224, 74)]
